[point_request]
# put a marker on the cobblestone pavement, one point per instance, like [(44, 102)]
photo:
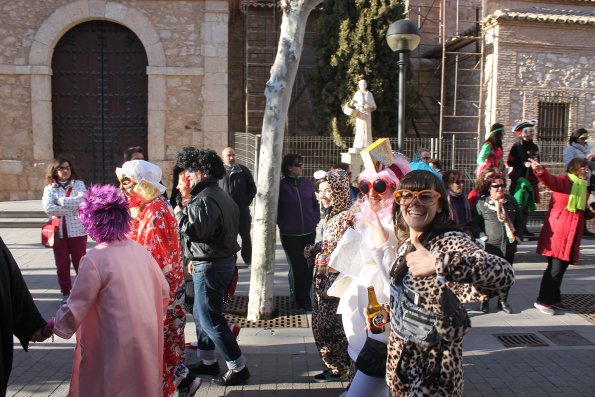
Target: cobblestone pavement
[(282, 361)]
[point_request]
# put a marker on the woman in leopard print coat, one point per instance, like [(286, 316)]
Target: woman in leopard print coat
[(326, 323), (433, 255)]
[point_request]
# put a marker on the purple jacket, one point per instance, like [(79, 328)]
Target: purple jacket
[(298, 211)]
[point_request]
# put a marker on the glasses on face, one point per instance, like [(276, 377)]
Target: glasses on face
[(498, 186), (426, 158), (298, 165), (64, 168), (379, 186), (424, 197), (460, 182)]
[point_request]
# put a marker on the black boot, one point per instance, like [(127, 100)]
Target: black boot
[(484, 306), (503, 303)]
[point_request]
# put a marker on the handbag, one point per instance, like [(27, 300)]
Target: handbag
[(371, 360), (50, 233), (410, 321)]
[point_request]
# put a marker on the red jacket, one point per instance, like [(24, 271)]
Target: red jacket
[(562, 230)]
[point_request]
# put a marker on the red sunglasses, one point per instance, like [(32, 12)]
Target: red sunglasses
[(379, 186)]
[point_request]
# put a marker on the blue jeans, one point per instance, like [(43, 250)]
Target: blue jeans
[(211, 280)]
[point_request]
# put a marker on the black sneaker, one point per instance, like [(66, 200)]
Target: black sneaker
[(231, 378), (201, 368), (326, 376), (484, 306), (189, 385), (506, 307)]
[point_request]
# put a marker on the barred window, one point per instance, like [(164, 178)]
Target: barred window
[(553, 120)]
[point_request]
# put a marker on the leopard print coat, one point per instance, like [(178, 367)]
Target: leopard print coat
[(438, 370), (327, 327)]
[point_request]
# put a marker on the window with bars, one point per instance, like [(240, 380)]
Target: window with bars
[(553, 120)]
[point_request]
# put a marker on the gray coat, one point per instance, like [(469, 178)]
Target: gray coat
[(485, 220)]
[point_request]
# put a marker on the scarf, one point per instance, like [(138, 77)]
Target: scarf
[(578, 194), (498, 206)]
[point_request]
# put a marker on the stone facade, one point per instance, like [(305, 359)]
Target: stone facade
[(533, 51), (186, 43), (533, 63)]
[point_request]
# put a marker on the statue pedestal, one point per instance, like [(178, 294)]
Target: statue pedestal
[(353, 158)]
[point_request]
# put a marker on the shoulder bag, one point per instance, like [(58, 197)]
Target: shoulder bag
[(50, 232)]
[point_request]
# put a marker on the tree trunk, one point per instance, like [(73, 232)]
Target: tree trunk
[(278, 95)]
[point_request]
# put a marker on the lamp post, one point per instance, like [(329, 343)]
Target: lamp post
[(402, 37)]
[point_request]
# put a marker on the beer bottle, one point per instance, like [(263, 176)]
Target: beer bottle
[(323, 258), (375, 312)]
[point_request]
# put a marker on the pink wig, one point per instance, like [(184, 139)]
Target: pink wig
[(104, 214), (391, 176)]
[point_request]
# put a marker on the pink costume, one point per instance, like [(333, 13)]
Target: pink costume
[(155, 228), (116, 307)]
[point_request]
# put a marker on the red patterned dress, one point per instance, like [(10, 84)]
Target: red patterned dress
[(155, 228)]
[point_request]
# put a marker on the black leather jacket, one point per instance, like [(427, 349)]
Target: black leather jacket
[(209, 223)]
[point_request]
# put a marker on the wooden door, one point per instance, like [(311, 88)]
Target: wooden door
[(99, 97)]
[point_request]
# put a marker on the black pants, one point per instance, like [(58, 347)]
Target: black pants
[(549, 292), (244, 231), (300, 278)]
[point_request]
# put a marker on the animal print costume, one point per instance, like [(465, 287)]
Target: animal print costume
[(326, 323), (438, 370)]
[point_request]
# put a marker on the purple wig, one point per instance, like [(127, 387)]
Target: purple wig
[(104, 214)]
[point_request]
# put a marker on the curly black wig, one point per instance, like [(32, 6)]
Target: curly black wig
[(205, 160)]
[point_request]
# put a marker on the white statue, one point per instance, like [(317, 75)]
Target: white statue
[(363, 102)]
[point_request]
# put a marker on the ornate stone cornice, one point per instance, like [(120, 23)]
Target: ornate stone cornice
[(543, 14)]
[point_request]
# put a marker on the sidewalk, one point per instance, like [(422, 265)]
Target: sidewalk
[(282, 361)]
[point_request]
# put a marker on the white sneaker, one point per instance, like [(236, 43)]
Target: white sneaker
[(545, 309)]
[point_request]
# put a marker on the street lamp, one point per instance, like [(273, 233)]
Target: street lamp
[(402, 37)]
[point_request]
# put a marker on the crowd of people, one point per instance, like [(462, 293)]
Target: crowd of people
[(406, 234)]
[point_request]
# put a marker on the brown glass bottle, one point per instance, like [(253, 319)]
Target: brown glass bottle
[(375, 313), (323, 259)]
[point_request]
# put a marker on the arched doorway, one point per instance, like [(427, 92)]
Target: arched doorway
[(99, 97)]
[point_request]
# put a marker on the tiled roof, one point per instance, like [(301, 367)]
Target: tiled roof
[(543, 14)]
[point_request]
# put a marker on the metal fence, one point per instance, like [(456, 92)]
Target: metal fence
[(320, 152)]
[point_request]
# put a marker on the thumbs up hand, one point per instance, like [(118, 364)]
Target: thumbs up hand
[(421, 262)]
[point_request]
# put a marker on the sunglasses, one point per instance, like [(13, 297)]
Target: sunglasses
[(460, 182), (67, 168), (379, 186), (426, 158), (424, 197), (500, 186), (298, 165)]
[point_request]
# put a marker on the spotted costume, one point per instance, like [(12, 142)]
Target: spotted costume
[(326, 323), (438, 370)]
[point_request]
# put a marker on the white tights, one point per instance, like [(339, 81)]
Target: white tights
[(369, 386)]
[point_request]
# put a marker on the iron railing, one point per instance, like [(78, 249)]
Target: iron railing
[(321, 152)]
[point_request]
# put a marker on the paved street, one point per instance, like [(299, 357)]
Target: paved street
[(283, 360)]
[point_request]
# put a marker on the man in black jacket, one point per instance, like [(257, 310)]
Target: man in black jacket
[(18, 312), (208, 225), (521, 176), (239, 184)]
